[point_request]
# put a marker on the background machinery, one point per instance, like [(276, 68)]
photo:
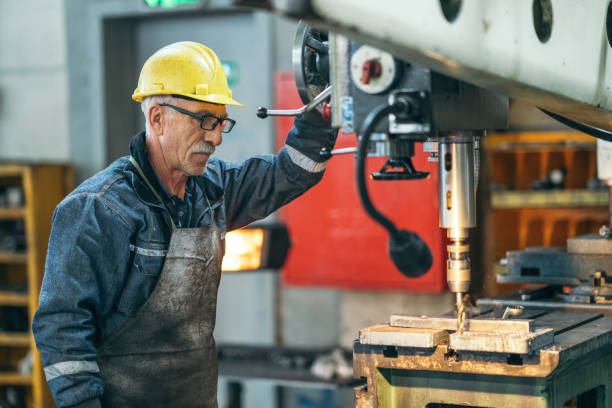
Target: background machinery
[(437, 73)]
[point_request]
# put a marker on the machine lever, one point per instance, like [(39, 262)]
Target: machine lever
[(263, 113), (326, 154)]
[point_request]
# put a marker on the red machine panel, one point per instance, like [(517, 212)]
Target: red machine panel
[(333, 241)]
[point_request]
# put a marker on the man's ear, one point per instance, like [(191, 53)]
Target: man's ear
[(155, 118)]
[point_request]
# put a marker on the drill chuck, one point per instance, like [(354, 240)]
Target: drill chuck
[(458, 267)]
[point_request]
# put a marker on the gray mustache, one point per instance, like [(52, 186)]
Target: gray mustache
[(204, 147)]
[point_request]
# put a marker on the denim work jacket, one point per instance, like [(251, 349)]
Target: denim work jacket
[(109, 239)]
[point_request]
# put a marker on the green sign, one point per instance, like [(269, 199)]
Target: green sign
[(168, 3), (231, 72)]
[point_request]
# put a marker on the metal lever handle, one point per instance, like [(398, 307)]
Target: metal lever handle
[(326, 154), (265, 112)]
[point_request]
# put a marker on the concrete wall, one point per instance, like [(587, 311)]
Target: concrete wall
[(33, 80)]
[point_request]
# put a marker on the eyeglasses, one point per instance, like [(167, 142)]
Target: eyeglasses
[(207, 122)]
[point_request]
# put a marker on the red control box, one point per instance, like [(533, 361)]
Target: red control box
[(334, 243)]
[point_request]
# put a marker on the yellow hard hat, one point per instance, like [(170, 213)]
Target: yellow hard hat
[(188, 69)]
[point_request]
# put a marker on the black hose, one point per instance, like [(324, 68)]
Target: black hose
[(368, 126), (409, 253), (581, 127)]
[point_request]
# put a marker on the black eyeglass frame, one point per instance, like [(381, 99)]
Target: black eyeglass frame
[(201, 118)]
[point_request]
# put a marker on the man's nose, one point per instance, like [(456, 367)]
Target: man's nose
[(214, 136)]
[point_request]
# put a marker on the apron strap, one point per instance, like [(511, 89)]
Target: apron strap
[(150, 186), (146, 180)]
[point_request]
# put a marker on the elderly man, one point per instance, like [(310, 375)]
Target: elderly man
[(128, 301)]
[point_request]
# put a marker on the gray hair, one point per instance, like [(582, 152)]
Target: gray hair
[(150, 100)]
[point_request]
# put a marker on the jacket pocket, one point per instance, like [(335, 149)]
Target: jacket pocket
[(147, 264)]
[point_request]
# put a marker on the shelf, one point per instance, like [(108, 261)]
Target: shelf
[(8, 378), (539, 140), (8, 213), (11, 170), (13, 258), (43, 186), (13, 298), (14, 339), (549, 198)]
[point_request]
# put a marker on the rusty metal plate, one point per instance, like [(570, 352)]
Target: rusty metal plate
[(450, 323), (386, 335), (515, 343)]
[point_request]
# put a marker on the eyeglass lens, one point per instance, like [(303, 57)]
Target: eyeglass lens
[(210, 122)]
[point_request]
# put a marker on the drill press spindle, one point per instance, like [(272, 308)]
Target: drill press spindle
[(457, 211)]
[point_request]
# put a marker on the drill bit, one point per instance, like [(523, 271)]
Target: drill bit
[(460, 312), (458, 276)]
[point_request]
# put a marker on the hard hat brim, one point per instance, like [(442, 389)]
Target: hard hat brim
[(211, 98)]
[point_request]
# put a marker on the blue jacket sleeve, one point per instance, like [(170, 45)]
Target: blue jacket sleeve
[(260, 185), (86, 264)]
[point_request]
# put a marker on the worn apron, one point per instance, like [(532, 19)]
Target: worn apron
[(165, 355)]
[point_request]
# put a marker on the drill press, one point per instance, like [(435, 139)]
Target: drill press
[(447, 115), (527, 356), (392, 105)]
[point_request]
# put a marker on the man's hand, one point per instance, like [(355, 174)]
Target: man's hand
[(315, 118)]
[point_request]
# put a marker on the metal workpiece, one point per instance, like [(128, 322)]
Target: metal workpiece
[(542, 362), (487, 325), (403, 336), (510, 343), (491, 335)]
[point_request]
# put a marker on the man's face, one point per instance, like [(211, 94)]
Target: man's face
[(185, 145)]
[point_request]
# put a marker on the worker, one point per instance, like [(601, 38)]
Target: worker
[(128, 301)]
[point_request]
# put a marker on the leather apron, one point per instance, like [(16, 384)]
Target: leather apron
[(165, 355)]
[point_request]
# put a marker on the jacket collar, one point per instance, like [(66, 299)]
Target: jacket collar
[(138, 150)]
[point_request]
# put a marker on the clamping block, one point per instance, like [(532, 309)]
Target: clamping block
[(386, 335)]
